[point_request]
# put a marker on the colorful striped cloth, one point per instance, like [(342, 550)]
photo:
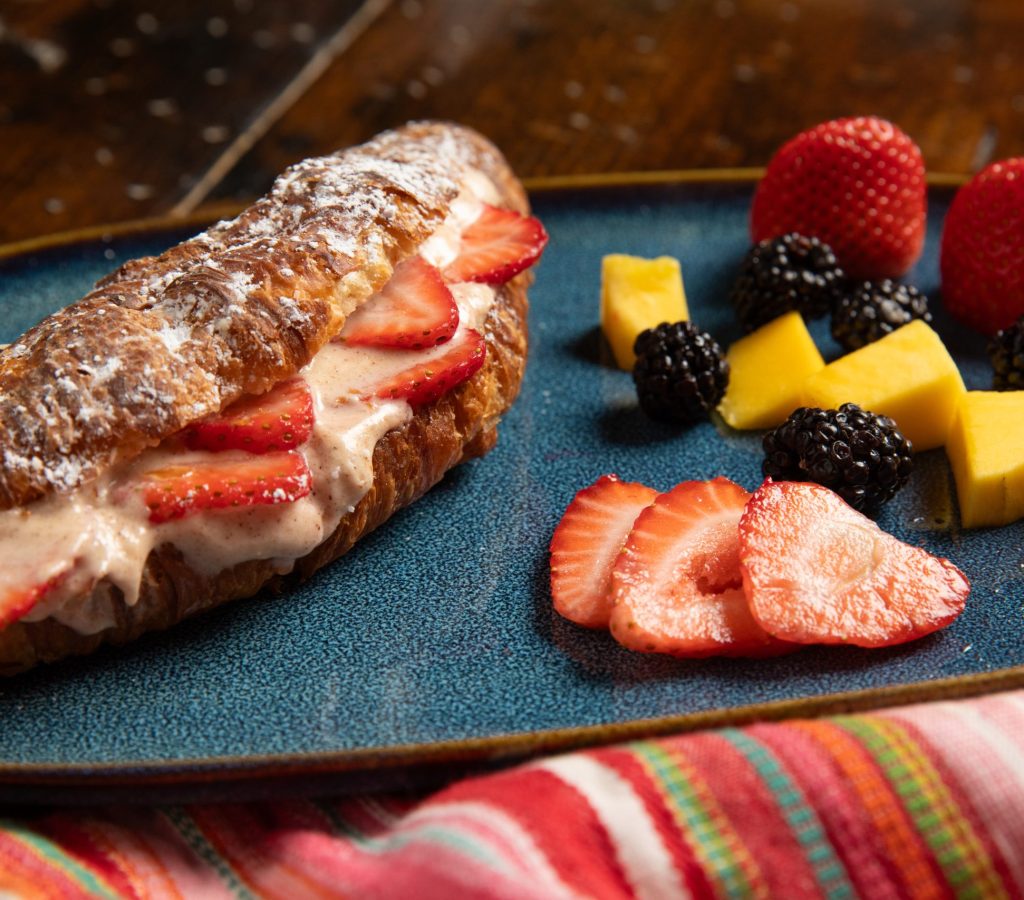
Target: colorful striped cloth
[(921, 801)]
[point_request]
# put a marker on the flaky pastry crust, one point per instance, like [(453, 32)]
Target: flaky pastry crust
[(167, 340), (407, 461)]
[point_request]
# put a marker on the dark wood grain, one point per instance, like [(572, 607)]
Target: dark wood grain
[(597, 85), (137, 107), (114, 110)]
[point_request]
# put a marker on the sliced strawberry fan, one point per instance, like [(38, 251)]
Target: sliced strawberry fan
[(586, 544), (817, 571), (676, 587)]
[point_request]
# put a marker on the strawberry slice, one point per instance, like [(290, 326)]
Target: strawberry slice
[(16, 601), (225, 481), (677, 587), (497, 246), (279, 420), (817, 571), (436, 371), (586, 543), (414, 310)]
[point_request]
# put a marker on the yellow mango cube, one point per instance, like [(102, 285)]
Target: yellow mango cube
[(907, 375), (637, 294), (767, 370), (986, 453)]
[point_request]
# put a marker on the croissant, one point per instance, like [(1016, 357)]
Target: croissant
[(274, 334)]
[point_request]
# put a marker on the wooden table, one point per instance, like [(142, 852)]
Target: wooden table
[(118, 109)]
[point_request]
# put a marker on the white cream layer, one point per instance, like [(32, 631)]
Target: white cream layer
[(104, 525)]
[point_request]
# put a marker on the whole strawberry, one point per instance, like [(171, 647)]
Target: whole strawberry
[(983, 248), (856, 184)]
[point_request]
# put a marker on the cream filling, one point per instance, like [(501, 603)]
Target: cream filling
[(104, 528)]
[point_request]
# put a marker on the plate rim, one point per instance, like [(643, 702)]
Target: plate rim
[(510, 746), (208, 213)]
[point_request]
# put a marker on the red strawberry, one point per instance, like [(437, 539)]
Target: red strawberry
[(856, 184), (17, 600), (676, 586), (817, 571), (497, 246), (225, 481), (586, 543), (414, 310), (983, 248), (278, 420), (436, 371)]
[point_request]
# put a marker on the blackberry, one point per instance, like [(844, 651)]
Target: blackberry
[(1006, 351), (680, 372), (785, 273), (874, 309), (862, 457)]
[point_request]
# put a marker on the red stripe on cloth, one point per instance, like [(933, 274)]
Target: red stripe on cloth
[(412, 865), (907, 858), (755, 816), (986, 760), (569, 833), (846, 823), (27, 875), (244, 836), (632, 769), (93, 852), (965, 814)]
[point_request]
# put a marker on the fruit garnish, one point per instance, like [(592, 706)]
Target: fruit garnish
[(499, 245), (984, 451), (817, 571), (862, 457), (767, 370), (637, 294), (982, 256), (677, 586), (780, 274), (18, 600), (436, 371), (873, 309), (280, 419), (680, 373), (415, 309), (586, 543), (1006, 353), (857, 184), (223, 482), (907, 375)]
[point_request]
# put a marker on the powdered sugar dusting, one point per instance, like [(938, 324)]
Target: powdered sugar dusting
[(233, 310)]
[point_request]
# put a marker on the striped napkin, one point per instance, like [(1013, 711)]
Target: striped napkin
[(919, 801)]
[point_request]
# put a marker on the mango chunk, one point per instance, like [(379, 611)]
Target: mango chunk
[(767, 370), (908, 375), (986, 453), (637, 294)]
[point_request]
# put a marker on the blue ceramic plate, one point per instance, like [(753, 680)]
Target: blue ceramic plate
[(434, 639)]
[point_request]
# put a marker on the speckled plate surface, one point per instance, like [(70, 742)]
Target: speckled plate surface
[(433, 641)]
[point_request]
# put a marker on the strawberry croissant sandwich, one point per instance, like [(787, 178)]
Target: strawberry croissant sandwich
[(244, 407)]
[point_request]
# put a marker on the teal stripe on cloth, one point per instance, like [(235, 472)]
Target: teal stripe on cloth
[(193, 835), (804, 821), (57, 857), (705, 832)]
